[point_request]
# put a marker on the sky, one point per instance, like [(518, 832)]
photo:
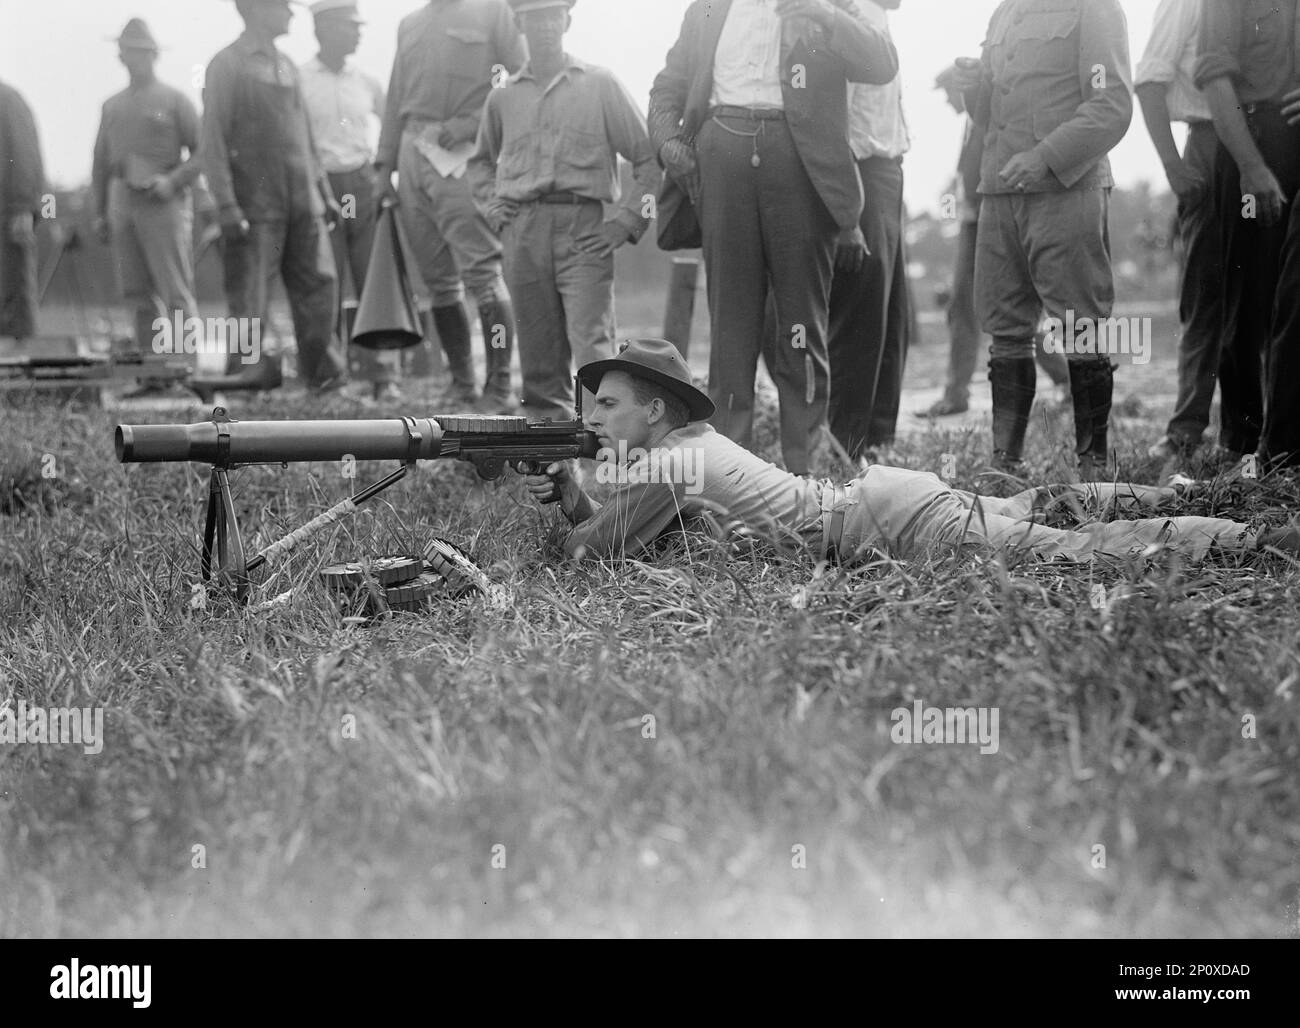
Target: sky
[(60, 55)]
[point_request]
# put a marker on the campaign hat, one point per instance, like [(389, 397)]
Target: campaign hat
[(658, 361)]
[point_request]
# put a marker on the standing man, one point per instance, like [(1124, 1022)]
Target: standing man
[(146, 160), (1052, 95), (341, 98), (22, 183), (750, 117), (1166, 87), (273, 197), (546, 163), (449, 56), (869, 316), (1247, 69), (963, 323)]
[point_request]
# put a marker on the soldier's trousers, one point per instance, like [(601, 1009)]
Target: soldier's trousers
[(964, 327), (298, 251), (564, 300), (454, 245), (911, 514), (1042, 251), (153, 246)]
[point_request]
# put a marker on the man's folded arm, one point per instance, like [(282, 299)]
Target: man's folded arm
[(867, 53), (628, 523)]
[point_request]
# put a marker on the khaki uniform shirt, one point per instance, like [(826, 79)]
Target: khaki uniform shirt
[(697, 471), (450, 53), (565, 137), (144, 132), (1056, 79)]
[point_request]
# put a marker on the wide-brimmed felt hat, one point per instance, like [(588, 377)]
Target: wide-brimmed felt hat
[(658, 361), (136, 36)]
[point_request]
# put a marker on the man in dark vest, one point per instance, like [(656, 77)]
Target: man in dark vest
[(273, 195)]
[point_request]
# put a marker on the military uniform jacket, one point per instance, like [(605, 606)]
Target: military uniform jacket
[(816, 110), (1056, 78)]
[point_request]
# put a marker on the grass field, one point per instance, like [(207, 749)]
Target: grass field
[(765, 796)]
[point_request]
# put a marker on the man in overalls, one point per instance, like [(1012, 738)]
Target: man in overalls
[(273, 196)]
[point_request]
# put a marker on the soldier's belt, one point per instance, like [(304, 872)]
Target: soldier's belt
[(564, 199), (753, 113)]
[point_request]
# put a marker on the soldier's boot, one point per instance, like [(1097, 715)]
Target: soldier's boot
[(1014, 381), (1092, 387), (498, 319), (452, 324)]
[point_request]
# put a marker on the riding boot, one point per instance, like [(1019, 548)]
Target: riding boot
[(1092, 386), (1014, 380), (453, 329)]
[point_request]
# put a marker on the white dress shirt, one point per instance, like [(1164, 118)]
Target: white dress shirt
[(340, 105), (877, 126), (747, 65), (1170, 58)]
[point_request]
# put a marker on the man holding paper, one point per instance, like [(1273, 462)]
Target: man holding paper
[(449, 54)]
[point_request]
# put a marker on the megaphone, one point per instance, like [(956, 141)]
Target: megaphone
[(387, 318)]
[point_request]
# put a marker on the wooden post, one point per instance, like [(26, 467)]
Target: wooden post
[(681, 303)]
